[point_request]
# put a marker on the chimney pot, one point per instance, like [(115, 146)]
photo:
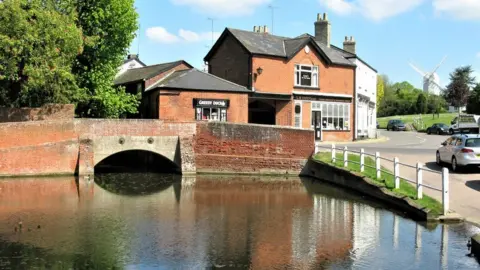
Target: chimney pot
[(319, 17), (265, 29), (254, 28), (325, 16)]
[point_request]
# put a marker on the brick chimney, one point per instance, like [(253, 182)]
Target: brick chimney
[(260, 29), (132, 56), (349, 45), (322, 29)]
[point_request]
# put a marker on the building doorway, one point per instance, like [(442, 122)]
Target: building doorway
[(261, 112)]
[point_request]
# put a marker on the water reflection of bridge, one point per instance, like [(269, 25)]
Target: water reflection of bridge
[(261, 224)]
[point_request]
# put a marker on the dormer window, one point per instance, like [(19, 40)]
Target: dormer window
[(306, 76)]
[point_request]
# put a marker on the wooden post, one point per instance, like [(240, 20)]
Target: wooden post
[(334, 154), (445, 198), (362, 160), (377, 165), (396, 172), (345, 157), (419, 181)]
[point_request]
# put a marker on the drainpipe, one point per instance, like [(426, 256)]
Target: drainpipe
[(355, 104)]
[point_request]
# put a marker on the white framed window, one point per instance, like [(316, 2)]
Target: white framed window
[(211, 114), (306, 75), (298, 114), (335, 116)]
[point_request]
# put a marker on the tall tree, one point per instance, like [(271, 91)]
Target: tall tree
[(39, 41), (380, 88), (109, 27), (422, 106), (473, 104), (458, 91)]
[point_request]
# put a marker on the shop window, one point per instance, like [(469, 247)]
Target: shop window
[(306, 75), (335, 116), (211, 114)]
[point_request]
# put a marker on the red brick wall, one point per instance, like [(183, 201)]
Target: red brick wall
[(178, 106), (46, 112), (278, 74), (59, 147), (231, 62), (251, 148)]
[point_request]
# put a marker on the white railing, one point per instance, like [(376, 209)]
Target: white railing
[(419, 168)]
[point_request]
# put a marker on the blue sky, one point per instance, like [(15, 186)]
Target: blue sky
[(389, 33)]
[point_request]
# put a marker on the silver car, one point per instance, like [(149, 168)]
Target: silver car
[(460, 151)]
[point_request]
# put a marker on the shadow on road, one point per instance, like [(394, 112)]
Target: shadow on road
[(474, 184), (433, 166)]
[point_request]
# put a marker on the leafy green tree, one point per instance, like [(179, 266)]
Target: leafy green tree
[(473, 104), (39, 41), (458, 91), (422, 106), (436, 105), (109, 27), (380, 88)]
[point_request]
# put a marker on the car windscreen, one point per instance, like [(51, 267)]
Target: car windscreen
[(442, 125), (472, 142)]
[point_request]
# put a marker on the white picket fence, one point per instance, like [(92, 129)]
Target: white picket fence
[(418, 182)]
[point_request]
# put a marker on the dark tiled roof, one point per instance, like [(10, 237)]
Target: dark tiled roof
[(260, 43), (267, 44), (138, 74), (351, 55), (194, 79)]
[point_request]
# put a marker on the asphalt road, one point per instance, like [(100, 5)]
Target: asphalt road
[(412, 147)]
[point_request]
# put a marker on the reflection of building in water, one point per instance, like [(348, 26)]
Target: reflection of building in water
[(324, 233), (366, 229), (275, 224)]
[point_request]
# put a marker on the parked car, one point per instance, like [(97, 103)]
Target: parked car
[(396, 125), (438, 128), (460, 151)]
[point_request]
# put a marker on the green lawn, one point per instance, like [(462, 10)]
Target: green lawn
[(428, 119), (387, 180)]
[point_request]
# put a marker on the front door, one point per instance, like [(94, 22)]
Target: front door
[(317, 122)]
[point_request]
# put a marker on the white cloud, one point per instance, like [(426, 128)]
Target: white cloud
[(161, 35), (460, 9), (341, 7), (190, 36), (223, 8), (376, 10)]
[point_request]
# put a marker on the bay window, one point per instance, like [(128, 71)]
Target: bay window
[(306, 75)]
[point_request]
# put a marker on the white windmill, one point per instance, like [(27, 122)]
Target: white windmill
[(431, 80)]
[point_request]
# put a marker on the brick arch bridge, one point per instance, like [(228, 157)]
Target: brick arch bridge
[(75, 146)]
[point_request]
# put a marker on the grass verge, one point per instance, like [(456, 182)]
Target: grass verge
[(387, 180), (428, 119)]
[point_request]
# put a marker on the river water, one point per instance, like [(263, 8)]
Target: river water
[(153, 221)]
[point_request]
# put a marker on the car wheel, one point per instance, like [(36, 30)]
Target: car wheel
[(438, 132), (455, 167), (428, 132), (450, 131), (438, 160), (388, 129)]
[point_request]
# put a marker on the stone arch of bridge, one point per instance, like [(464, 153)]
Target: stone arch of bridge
[(167, 147)]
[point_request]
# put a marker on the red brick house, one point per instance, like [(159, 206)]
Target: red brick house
[(178, 92), (301, 82)]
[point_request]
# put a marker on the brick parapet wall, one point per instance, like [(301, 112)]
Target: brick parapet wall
[(46, 112), (251, 148), (55, 147)]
